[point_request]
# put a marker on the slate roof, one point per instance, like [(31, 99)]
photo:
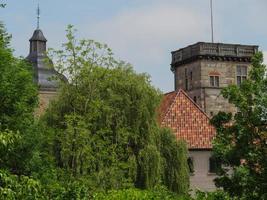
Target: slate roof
[(44, 72), (38, 36), (188, 121)]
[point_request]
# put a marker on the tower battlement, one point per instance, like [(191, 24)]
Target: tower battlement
[(213, 51)]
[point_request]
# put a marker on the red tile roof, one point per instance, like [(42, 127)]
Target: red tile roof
[(180, 113)]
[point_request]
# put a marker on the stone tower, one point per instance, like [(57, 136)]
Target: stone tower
[(203, 69), (44, 73)]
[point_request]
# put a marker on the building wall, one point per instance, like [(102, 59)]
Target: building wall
[(201, 178), (209, 98), (44, 98), (213, 100), (194, 85)]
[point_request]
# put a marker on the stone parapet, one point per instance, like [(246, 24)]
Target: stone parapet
[(213, 51)]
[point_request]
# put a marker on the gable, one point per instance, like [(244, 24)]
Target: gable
[(188, 121), (165, 104)]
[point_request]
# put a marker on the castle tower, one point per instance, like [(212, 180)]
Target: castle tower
[(203, 69), (44, 72)]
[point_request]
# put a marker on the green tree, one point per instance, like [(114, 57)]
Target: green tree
[(241, 139), (104, 120), (157, 193), (21, 139), (18, 94), (18, 98), (174, 158)]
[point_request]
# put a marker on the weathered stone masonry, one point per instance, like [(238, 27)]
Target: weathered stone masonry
[(203, 69)]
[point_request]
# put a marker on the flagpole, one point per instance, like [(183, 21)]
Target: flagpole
[(38, 16), (211, 21)]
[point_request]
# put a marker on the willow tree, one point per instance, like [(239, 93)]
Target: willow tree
[(104, 119), (174, 154)]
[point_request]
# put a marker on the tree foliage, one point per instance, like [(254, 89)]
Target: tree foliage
[(18, 94), (18, 98), (241, 138), (100, 134), (174, 154), (157, 193), (105, 122)]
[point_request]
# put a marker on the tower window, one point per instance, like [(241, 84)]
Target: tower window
[(241, 74), (186, 79), (186, 83), (195, 99), (214, 81), (191, 80)]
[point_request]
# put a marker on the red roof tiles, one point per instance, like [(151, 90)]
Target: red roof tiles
[(180, 113)]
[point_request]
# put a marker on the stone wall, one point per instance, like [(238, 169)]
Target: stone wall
[(44, 98), (212, 99), (194, 90), (199, 89), (181, 71)]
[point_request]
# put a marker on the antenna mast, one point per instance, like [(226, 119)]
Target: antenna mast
[(211, 21), (38, 16)]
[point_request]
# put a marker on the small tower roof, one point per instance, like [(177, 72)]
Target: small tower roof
[(38, 36)]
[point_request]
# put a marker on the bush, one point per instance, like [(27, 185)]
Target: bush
[(158, 193), (19, 187), (217, 195)]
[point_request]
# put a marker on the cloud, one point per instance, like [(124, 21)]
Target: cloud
[(145, 36), (148, 30), (145, 32)]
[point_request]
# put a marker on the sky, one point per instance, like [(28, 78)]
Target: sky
[(141, 32)]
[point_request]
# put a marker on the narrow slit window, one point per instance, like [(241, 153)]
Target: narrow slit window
[(186, 79)]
